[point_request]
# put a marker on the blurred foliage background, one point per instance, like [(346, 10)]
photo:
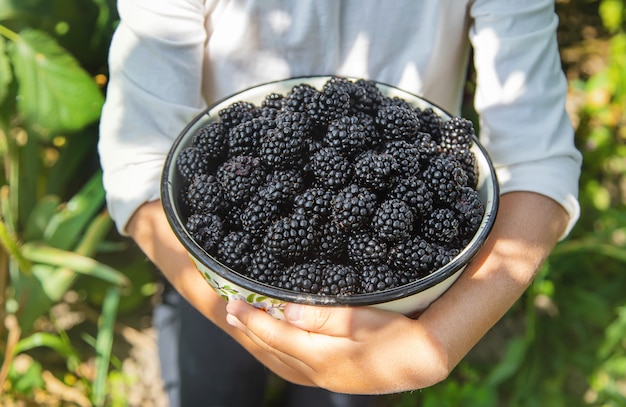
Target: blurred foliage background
[(75, 298)]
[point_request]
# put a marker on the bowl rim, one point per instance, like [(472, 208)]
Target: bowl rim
[(198, 253)]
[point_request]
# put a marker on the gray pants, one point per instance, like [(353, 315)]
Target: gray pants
[(202, 366)]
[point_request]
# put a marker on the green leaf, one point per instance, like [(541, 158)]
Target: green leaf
[(39, 218), (5, 71), (48, 340), (38, 253), (55, 92), (66, 227), (104, 344), (513, 358), (611, 12), (25, 382)]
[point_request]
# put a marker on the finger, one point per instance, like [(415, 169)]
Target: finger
[(273, 336), (347, 322)]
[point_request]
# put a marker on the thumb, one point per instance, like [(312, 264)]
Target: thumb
[(333, 321)]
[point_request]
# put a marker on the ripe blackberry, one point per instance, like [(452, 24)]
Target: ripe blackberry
[(441, 226), (445, 177), (330, 168), (414, 191), (456, 135), (281, 186), (467, 159), (340, 279), (397, 122), (366, 97), (393, 220), (314, 202), (470, 211), (377, 277), (295, 121), (274, 101), (299, 97), (257, 214), (236, 113), (411, 259), (331, 103), (205, 194), (211, 140), (396, 101), (406, 154), (291, 237), (443, 255), (191, 162), (206, 229), (353, 207), (375, 170), (364, 249), (235, 250), (265, 267), (303, 278), (349, 135), (240, 177), (331, 241), (282, 147), (430, 122), (245, 138), (426, 145)]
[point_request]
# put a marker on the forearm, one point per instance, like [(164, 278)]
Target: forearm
[(152, 233), (527, 228)]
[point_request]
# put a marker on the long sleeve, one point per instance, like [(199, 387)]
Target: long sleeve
[(520, 98), (156, 66)]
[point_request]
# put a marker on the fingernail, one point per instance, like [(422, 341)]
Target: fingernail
[(233, 321), (293, 312)]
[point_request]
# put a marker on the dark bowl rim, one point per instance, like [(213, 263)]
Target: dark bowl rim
[(255, 286)]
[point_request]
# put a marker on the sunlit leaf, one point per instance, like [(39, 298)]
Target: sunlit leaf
[(55, 92)]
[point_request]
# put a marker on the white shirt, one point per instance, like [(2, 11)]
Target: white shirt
[(170, 58)]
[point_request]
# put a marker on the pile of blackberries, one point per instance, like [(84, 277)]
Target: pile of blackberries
[(336, 191)]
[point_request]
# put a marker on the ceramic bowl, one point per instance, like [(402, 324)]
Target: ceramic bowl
[(231, 285)]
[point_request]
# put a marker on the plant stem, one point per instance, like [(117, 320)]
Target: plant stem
[(11, 35)]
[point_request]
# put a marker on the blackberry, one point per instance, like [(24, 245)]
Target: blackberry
[(299, 98), (378, 277), (397, 122), (265, 267), (349, 135), (236, 113), (212, 140), (353, 207), (426, 145), (331, 241), (281, 186), (407, 156), (396, 101), (441, 226), (364, 249), (330, 168), (340, 279), (412, 258), (235, 250), (414, 191), (205, 194), (296, 122), (191, 162), (331, 103), (443, 255), (245, 138), (366, 97), (291, 237), (303, 277), (467, 159), (430, 122), (274, 101), (240, 177), (445, 177), (470, 211), (206, 229), (375, 170), (393, 220), (282, 147), (456, 135), (314, 202), (258, 214)]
